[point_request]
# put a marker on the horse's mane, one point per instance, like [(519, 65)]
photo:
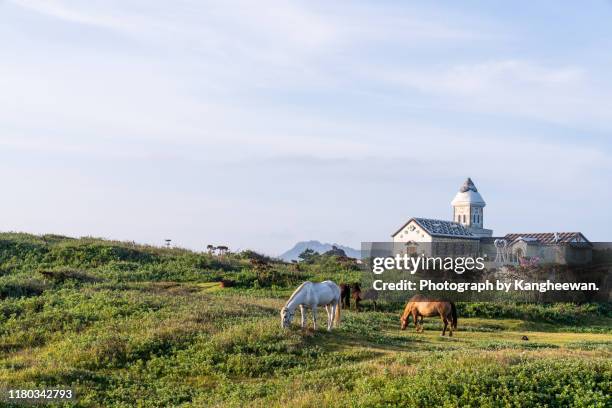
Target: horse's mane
[(295, 292), (411, 301)]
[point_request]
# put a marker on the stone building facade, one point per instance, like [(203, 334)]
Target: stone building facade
[(466, 234)]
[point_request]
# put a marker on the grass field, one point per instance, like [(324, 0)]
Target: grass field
[(157, 343)]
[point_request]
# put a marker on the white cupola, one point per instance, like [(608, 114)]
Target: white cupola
[(468, 206)]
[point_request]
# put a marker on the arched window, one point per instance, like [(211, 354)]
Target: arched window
[(464, 219), (519, 254), (411, 248)]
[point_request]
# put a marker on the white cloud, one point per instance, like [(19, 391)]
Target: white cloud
[(485, 77), (512, 87), (67, 11), (253, 119)]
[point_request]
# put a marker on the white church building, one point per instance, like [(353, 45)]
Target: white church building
[(466, 234)]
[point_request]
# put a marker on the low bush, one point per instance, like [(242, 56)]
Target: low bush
[(568, 313), (18, 286)]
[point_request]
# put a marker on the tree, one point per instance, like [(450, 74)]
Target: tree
[(254, 256), (308, 256), (335, 251)]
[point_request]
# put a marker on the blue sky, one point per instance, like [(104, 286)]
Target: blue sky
[(258, 124)]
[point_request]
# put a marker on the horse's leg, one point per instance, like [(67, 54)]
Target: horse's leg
[(445, 325), (314, 317), (328, 310), (303, 312), (336, 313), (450, 327)]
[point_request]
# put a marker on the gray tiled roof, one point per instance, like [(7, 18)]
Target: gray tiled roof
[(444, 228), (548, 237), (441, 228)]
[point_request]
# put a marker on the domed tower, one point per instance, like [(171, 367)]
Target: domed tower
[(468, 209)]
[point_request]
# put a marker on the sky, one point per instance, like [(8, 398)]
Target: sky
[(260, 124)]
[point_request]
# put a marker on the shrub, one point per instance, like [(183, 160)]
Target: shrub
[(568, 313), (20, 286)]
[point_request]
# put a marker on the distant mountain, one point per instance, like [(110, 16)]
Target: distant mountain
[(319, 247)]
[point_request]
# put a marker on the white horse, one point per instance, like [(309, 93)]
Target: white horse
[(313, 295)]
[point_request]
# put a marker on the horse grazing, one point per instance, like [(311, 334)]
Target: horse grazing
[(345, 295), (369, 294), (420, 306), (312, 295)]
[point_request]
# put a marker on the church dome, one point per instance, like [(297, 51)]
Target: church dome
[(468, 194)]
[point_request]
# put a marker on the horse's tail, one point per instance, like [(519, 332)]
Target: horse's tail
[(337, 317), (454, 313)]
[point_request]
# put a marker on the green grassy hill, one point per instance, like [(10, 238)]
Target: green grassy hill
[(131, 325)]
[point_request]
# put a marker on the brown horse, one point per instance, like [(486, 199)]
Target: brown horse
[(345, 295), (419, 305), (358, 295)]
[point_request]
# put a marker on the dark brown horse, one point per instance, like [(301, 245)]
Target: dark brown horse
[(420, 306), (345, 295), (369, 294)]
